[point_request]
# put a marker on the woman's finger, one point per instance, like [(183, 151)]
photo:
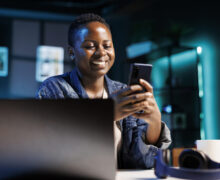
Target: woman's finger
[(130, 90), (145, 106), (151, 101), (141, 115), (146, 85), (148, 109), (131, 110), (141, 105), (135, 98)]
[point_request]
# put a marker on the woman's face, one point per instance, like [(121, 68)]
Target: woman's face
[(93, 50)]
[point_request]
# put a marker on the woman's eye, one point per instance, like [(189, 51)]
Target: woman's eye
[(89, 47), (107, 46)]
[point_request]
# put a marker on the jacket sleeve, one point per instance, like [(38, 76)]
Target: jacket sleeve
[(164, 140), (54, 88), (43, 93), (136, 152), (47, 90)]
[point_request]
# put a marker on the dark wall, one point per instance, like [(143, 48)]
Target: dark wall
[(191, 23), (22, 36), (120, 34), (5, 40)]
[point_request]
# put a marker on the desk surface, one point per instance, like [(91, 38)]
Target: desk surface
[(137, 175)]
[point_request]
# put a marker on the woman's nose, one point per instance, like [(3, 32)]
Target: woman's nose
[(100, 51)]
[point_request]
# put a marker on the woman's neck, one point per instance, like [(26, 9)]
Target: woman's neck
[(94, 86)]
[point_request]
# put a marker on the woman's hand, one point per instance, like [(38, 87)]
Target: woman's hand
[(130, 101), (151, 114)]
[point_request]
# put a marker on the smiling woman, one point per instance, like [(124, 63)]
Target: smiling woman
[(137, 136), (93, 50)]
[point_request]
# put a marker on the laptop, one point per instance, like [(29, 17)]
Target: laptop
[(71, 139)]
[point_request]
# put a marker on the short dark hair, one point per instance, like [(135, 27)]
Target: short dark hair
[(83, 19)]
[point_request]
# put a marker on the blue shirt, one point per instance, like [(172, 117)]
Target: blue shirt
[(135, 152)]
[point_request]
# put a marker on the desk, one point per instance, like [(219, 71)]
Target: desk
[(138, 175)]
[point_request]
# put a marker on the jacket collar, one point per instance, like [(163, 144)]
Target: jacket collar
[(77, 85)]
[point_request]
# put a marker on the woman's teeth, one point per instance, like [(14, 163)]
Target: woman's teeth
[(99, 62)]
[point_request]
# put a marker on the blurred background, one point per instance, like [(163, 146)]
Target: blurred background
[(180, 38)]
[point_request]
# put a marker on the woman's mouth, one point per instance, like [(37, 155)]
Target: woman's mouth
[(99, 64)]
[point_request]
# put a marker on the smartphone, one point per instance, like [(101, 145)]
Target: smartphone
[(139, 71)]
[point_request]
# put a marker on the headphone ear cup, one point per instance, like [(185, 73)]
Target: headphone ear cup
[(166, 156), (194, 159)]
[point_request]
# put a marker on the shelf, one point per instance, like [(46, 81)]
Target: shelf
[(186, 89), (160, 52)]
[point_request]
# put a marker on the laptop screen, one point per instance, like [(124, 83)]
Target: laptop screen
[(73, 137)]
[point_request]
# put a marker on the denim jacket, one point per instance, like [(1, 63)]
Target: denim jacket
[(136, 152)]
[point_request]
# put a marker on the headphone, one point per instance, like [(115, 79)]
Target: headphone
[(193, 164)]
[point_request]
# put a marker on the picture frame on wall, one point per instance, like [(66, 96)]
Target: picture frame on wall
[(3, 61), (49, 62)]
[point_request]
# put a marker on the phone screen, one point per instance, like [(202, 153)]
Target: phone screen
[(139, 71)]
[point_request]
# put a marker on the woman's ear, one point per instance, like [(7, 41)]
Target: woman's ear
[(71, 53)]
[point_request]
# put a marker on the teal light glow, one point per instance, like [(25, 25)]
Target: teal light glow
[(3, 61), (209, 59), (159, 101), (160, 69), (138, 49), (200, 80), (202, 128), (185, 58), (209, 101), (199, 50), (168, 109), (181, 62)]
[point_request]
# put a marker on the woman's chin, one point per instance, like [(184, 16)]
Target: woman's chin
[(100, 71)]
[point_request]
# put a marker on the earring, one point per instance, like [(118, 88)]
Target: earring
[(72, 57)]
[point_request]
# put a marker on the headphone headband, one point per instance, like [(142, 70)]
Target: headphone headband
[(162, 170)]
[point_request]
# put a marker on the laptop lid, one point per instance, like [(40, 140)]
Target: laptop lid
[(71, 137)]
